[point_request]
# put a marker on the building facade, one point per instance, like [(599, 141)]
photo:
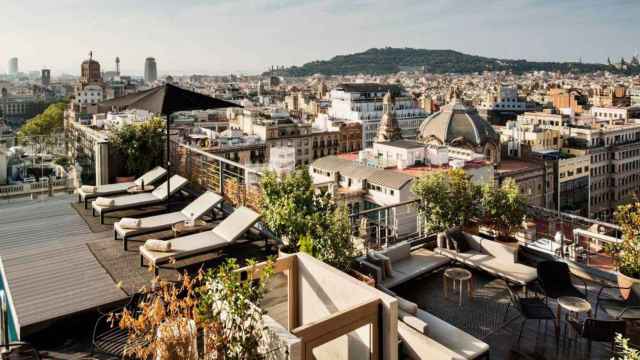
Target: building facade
[(363, 103), (150, 70)]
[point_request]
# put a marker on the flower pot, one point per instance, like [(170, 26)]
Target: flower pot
[(125, 179), (626, 282), (284, 251), (363, 277)]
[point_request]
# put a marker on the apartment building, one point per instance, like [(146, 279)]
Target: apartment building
[(277, 129), (362, 103), (614, 153)]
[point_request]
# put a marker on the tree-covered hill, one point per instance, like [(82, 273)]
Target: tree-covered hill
[(390, 60)]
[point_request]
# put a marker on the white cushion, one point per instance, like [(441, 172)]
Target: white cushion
[(104, 202), (413, 321), (129, 223), (88, 189), (407, 306), (157, 245), (397, 252)]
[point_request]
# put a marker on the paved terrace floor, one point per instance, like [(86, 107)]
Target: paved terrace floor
[(61, 263), (484, 318)]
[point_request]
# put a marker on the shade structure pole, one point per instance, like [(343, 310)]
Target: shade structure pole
[(168, 162)]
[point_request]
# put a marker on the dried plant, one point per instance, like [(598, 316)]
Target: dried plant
[(161, 324), (219, 304)]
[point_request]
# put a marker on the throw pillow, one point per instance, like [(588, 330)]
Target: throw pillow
[(407, 306), (386, 262), (378, 262), (414, 322), (459, 241)]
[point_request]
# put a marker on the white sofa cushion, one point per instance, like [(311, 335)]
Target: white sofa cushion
[(407, 306), (463, 344), (414, 321), (419, 346), (397, 252)]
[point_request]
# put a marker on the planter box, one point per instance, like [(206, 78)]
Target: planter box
[(626, 281)]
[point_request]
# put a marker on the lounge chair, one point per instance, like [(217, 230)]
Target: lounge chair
[(193, 211), (133, 201), (148, 178), (223, 235)]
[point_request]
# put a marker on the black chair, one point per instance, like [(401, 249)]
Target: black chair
[(599, 330), (554, 278), (108, 338), (530, 308), (626, 309), (19, 350)]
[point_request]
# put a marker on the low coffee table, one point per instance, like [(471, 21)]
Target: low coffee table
[(574, 306), (460, 276), (181, 229)]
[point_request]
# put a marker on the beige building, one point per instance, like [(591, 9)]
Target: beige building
[(276, 128), (614, 153)]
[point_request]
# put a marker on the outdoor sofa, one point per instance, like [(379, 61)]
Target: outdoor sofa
[(195, 210), (133, 201), (405, 264), (498, 259), (148, 178), (423, 334)]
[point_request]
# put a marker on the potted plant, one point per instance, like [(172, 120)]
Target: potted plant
[(447, 200), (287, 205), (626, 254), (503, 208), (217, 308), (140, 146)]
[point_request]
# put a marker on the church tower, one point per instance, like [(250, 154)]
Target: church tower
[(389, 130)]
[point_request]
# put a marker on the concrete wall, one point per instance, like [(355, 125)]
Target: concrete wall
[(324, 290)]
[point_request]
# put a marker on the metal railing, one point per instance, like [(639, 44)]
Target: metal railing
[(238, 183), (4, 320), (58, 185)]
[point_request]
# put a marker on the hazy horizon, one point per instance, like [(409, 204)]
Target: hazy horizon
[(220, 37)]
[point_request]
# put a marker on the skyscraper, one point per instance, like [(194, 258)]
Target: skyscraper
[(46, 77), (13, 66), (150, 70)]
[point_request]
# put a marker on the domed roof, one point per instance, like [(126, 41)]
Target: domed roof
[(455, 121)]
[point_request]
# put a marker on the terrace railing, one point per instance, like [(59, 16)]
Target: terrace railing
[(574, 238), (21, 190), (238, 183)]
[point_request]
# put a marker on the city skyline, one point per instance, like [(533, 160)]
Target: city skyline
[(228, 36)]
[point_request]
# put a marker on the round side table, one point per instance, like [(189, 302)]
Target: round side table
[(459, 276), (574, 306)]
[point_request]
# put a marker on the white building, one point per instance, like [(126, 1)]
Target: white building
[(505, 99), (119, 119), (611, 114), (362, 102), (89, 95), (282, 159)]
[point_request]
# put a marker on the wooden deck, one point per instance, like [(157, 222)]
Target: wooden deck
[(48, 268), (58, 267)]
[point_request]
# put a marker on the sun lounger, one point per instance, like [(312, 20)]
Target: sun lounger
[(193, 211), (223, 235), (156, 197), (149, 178)]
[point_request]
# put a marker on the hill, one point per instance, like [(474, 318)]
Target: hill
[(390, 60)]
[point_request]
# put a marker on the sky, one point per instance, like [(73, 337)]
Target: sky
[(248, 36)]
